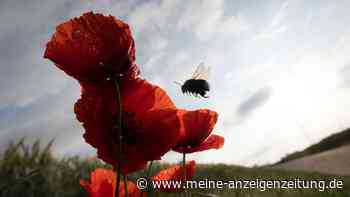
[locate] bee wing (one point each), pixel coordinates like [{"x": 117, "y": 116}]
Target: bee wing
[{"x": 202, "y": 72}]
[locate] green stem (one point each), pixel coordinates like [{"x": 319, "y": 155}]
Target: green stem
[
  {"x": 184, "y": 165},
  {"x": 126, "y": 185},
  {"x": 149, "y": 170},
  {"x": 119, "y": 137},
  {"x": 148, "y": 174},
  {"x": 184, "y": 169}
]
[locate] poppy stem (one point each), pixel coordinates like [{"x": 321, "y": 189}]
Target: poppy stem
[
  {"x": 119, "y": 137},
  {"x": 149, "y": 169},
  {"x": 148, "y": 174},
  {"x": 184, "y": 170},
  {"x": 150, "y": 189},
  {"x": 126, "y": 185}
]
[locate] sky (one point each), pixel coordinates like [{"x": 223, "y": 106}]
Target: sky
[{"x": 280, "y": 70}]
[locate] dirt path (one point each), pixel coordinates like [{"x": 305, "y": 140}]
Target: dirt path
[{"x": 335, "y": 162}]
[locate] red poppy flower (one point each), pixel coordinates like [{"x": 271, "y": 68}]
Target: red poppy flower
[
  {"x": 196, "y": 129},
  {"x": 93, "y": 47},
  {"x": 133, "y": 190},
  {"x": 150, "y": 125},
  {"x": 174, "y": 173},
  {"x": 103, "y": 182}
]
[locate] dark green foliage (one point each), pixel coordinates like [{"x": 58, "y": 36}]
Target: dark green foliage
[
  {"x": 32, "y": 171},
  {"x": 334, "y": 141}
]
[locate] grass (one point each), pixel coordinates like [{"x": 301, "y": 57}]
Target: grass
[{"x": 32, "y": 171}]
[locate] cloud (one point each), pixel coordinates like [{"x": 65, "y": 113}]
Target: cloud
[
  {"x": 36, "y": 98},
  {"x": 49, "y": 117},
  {"x": 345, "y": 75},
  {"x": 207, "y": 19},
  {"x": 25, "y": 30},
  {"x": 254, "y": 101},
  {"x": 277, "y": 26},
  {"x": 280, "y": 14}
]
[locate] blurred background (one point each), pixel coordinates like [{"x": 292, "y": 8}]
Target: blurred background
[{"x": 280, "y": 71}]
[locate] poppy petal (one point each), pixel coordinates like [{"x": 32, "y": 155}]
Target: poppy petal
[
  {"x": 140, "y": 95},
  {"x": 103, "y": 183},
  {"x": 137, "y": 94},
  {"x": 133, "y": 190},
  {"x": 196, "y": 126},
  {"x": 86, "y": 185},
  {"x": 212, "y": 142},
  {"x": 146, "y": 117},
  {"x": 175, "y": 173},
  {"x": 92, "y": 47},
  {"x": 146, "y": 144}
]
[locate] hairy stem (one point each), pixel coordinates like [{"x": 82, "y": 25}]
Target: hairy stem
[
  {"x": 184, "y": 169},
  {"x": 148, "y": 174},
  {"x": 119, "y": 137},
  {"x": 126, "y": 185},
  {"x": 149, "y": 169}
]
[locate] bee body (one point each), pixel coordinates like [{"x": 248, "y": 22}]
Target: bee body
[{"x": 196, "y": 87}]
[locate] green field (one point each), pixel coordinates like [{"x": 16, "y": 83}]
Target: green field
[{"x": 31, "y": 171}]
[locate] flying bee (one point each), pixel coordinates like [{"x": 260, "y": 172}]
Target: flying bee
[{"x": 198, "y": 84}]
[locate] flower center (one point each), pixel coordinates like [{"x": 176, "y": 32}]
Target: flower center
[{"x": 132, "y": 128}]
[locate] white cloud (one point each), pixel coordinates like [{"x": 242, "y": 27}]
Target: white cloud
[
  {"x": 206, "y": 19},
  {"x": 281, "y": 14}
]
